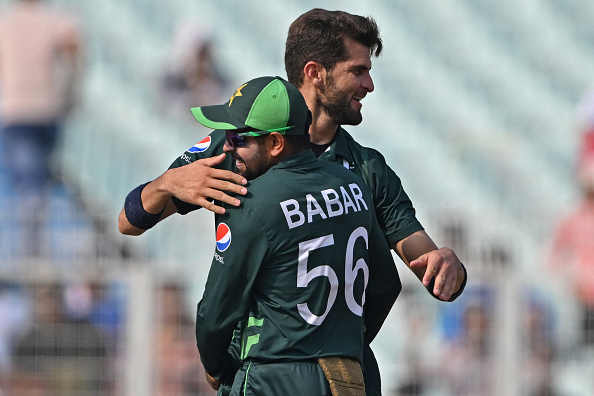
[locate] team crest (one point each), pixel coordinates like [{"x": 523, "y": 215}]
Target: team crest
[
  {"x": 236, "y": 94},
  {"x": 200, "y": 147},
  {"x": 223, "y": 237}
]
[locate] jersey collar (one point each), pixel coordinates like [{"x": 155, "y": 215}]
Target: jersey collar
[
  {"x": 301, "y": 158},
  {"x": 339, "y": 150}
]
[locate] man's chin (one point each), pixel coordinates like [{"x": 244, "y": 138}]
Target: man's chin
[{"x": 352, "y": 119}]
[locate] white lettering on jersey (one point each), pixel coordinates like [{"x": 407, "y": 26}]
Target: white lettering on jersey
[
  {"x": 336, "y": 205},
  {"x": 313, "y": 208},
  {"x": 219, "y": 258},
  {"x": 332, "y": 201},
  {"x": 348, "y": 202},
  {"x": 358, "y": 195},
  {"x": 293, "y": 212}
]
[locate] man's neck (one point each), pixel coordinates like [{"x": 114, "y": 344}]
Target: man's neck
[
  {"x": 323, "y": 128},
  {"x": 321, "y": 132}
]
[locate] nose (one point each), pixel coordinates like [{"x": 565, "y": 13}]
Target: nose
[
  {"x": 227, "y": 148},
  {"x": 367, "y": 83}
]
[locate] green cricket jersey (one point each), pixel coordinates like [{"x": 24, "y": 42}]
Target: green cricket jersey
[
  {"x": 394, "y": 210},
  {"x": 293, "y": 259}
]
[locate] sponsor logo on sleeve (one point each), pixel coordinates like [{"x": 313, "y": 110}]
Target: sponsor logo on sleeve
[
  {"x": 201, "y": 146},
  {"x": 223, "y": 237}
]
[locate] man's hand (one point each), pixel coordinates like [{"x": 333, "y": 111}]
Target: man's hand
[
  {"x": 444, "y": 265},
  {"x": 212, "y": 381},
  {"x": 423, "y": 257},
  {"x": 198, "y": 183}
]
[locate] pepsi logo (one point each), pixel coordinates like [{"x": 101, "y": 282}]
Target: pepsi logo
[
  {"x": 223, "y": 237},
  {"x": 201, "y": 146}
]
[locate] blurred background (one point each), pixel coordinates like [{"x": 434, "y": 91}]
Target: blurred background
[{"x": 483, "y": 108}]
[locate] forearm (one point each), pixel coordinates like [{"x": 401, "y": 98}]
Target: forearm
[
  {"x": 413, "y": 247},
  {"x": 155, "y": 200},
  {"x": 438, "y": 269},
  {"x": 213, "y": 345},
  {"x": 156, "y": 194}
]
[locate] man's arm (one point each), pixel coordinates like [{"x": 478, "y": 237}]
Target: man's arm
[
  {"x": 227, "y": 293},
  {"x": 426, "y": 260},
  {"x": 197, "y": 183},
  {"x": 384, "y": 284}
]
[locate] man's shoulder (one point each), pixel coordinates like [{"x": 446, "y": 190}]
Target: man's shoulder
[
  {"x": 281, "y": 184},
  {"x": 338, "y": 170},
  {"x": 357, "y": 149},
  {"x": 209, "y": 146}
]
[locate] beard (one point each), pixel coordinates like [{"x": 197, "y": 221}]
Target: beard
[
  {"x": 256, "y": 166},
  {"x": 337, "y": 105}
]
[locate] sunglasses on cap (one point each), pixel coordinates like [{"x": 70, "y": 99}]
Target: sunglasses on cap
[{"x": 236, "y": 137}]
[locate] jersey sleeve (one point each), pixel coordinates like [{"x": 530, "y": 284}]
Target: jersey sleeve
[
  {"x": 210, "y": 146},
  {"x": 395, "y": 213},
  {"x": 241, "y": 248},
  {"x": 384, "y": 283}
]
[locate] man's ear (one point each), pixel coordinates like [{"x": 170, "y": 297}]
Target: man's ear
[
  {"x": 315, "y": 73},
  {"x": 276, "y": 144}
]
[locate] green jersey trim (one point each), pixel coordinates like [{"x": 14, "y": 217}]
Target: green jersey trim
[
  {"x": 247, "y": 372},
  {"x": 254, "y": 322},
  {"x": 249, "y": 341}
]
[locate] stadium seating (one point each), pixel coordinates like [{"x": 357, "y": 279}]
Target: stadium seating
[
  {"x": 475, "y": 108},
  {"x": 472, "y": 88}
]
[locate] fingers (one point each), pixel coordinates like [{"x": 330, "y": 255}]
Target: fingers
[
  {"x": 227, "y": 180},
  {"x": 217, "y": 182},
  {"x": 444, "y": 283},
  {"x": 446, "y": 275},
  {"x": 199, "y": 183},
  {"x": 212, "y": 161},
  {"x": 441, "y": 266},
  {"x": 213, "y": 382},
  {"x": 424, "y": 262},
  {"x": 213, "y": 208},
  {"x": 220, "y": 196},
  {"x": 221, "y": 174}
]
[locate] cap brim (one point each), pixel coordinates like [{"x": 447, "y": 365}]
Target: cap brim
[{"x": 215, "y": 117}]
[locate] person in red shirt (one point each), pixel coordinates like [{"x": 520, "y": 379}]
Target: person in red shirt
[{"x": 573, "y": 240}]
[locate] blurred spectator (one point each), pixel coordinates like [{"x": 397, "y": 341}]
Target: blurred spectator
[
  {"x": 179, "y": 370},
  {"x": 572, "y": 253},
  {"x": 468, "y": 359},
  {"x": 58, "y": 355},
  {"x": 539, "y": 349},
  {"x": 469, "y": 368},
  {"x": 469, "y": 329},
  {"x": 98, "y": 303},
  {"x": 192, "y": 77},
  {"x": 39, "y": 66},
  {"x": 415, "y": 339},
  {"x": 13, "y": 318}
]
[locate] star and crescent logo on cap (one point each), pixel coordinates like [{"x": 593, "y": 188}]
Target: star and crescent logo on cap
[{"x": 236, "y": 93}]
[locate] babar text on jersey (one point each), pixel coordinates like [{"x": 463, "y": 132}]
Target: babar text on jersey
[{"x": 335, "y": 203}]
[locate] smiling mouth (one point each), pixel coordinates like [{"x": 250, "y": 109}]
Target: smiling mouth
[
  {"x": 358, "y": 99},
  {"x": 237, "y": 159}
]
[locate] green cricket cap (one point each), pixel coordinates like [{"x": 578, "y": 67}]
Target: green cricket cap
[{"x": 264, "y": 103}]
